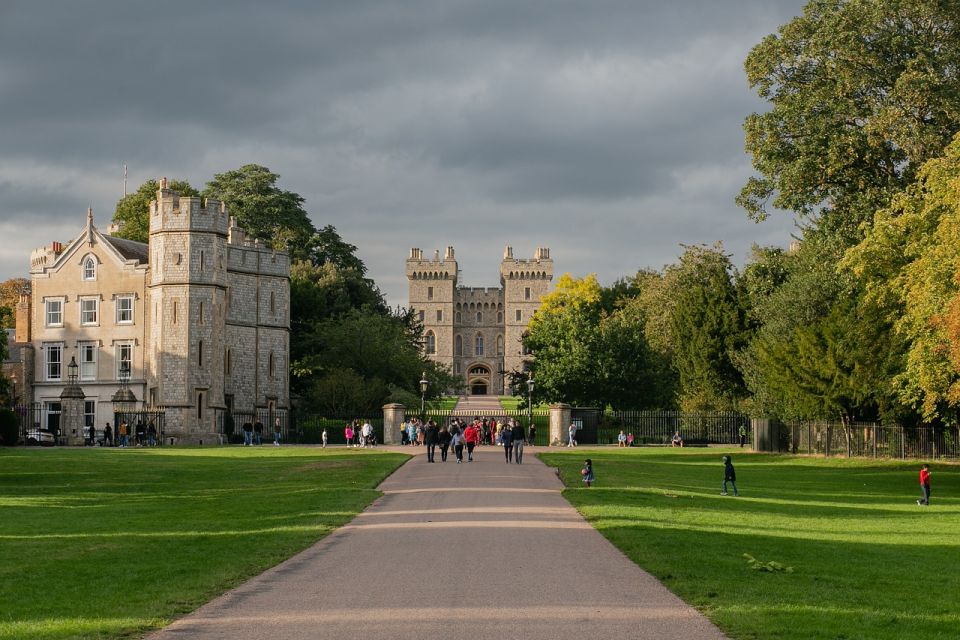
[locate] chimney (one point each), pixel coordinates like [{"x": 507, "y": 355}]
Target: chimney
[
  {"x": 508, "y": 253},
  {"x": 23, "y": 319}
]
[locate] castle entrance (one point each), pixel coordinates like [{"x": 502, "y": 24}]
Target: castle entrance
[{"x": 479, "y": 380}]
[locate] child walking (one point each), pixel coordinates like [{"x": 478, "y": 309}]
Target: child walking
[
  {"x": 729, "y": 475},
  {"x": 587, "y": 472},
  {"x": 924, "y": 485}
]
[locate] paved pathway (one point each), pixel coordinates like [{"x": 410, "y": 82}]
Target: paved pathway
[{"x": 480, "y": 550}]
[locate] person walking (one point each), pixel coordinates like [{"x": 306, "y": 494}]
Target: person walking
[
  {"x": 518, "y": 441},
  {"x": 107, "y": 436},
  {"x": 729, "y": 475},
  {"x": 457, "y": 441},
  {"x": 444, "y": 438},
  {"x": 587, "y": 472},
  {"x": 924, "y": 485},
  {"x": 152, "y": 435},
  {"x": 743, "y": 435},
  {"x": 431, "y": 439},
  {"x": 276, "y": 431},
  {"x": 472, "y": 437},
  {"x": 323, "y": 439},
  {"x": 258, "y": 432},
  {"x": 140, "y": 433},
  {"x": 123, "y": 430},
  {"x": 572, "y": 435},
  {"x": 404, "y": 440},
  {"x": 348, "y": 434},
  {"x": 532, "y": 434},
  {"x": 247, "y": 433},
  {"x": 506, "y": 439},
  {"x": 92, "y": 436}
]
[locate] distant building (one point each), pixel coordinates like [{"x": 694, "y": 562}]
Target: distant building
[
  {"x": 477, "y": 331},
  {"x": 199, "y": 318}
]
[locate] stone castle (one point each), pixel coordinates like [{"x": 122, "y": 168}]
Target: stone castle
[
  {"x": 477, "y": 331},
  {"x": 195, "y": 322}
]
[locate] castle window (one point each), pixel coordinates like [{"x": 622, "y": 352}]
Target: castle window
[
  {"x": 479, "y": 317},
  {"x": 174, "y": 312},
  {"x": 429, "y": 293},
  {"x": 227, "y": 362},
  {"x": 439, "y": 315},
  {"x": 458, "y": 346},
  {"x": 53, "y": 361},
  {"x": 456, "y": 367},
  {"x": 90, "y": 269},
  {"x": 422, "y": 316},
  {"x": 271, "y": 365},
  {"x": 499, "y": 345},
  {"x": 125, "y": 310},
  {"x": 88, "y": 311},
  {"x": 519, "y": 315},
  {"x": 200, "y": 406},
  {"x": 201, "y": 261},
  {"x": 124, "y": 358},
  {"x": 499, "y": 317},
  {"x": 430, "y": 343},
  {"x": 88, "y": 360},
  {"x": 459, "y": 317},
  {"x": 54, "y": 312},
  {"x": 478, "y": 345},
  {"x": 273, "y": 303},
  {"x": 200, "y": 313},
  {"x": 526, "y": 293},
  {"x": 200, "y": 353}
]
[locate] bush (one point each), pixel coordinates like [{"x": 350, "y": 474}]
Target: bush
[{"x": 9, "y": 428}]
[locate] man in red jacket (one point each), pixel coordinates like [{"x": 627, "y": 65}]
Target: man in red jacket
[
  {"x": 925, "y": 485},
  {"x": 472, "y": 437}
]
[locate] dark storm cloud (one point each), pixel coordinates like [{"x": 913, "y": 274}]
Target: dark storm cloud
[{"x": 610, "y": 131}]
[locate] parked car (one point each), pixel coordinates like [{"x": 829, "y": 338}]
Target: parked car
[{"x": 40, "y": 437}]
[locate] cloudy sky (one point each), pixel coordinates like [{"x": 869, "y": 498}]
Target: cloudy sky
[{"x": 607, "y": 131}]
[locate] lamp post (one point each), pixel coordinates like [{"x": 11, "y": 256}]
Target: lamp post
[
  {"x": 71, "y": 408},
  {"x": 123, "y": 400},
  {"x": 529, "y": 401},
  {"x": 72, "y": 370},
  {"x": 424, "y": 383}
]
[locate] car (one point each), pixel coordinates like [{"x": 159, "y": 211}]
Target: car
[{"x": 40, "y": 437}]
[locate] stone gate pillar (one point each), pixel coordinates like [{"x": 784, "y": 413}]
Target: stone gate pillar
[
  {"x": 71, "y": 414},
  {"x": 393, "y": 414},
  {"x": 561, "y": 415}
]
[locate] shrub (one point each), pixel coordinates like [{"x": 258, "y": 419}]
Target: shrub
[{"x": 9, "y": 428}]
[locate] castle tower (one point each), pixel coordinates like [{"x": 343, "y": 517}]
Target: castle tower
[
  {"x": 433, "y": 286},
  {"x": 524, "y": 282},
  {"x": 186, "y": 297}
]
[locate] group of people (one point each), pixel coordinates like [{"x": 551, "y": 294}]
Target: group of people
[
  {"x": 253, "y": 433},
  {"x": 357, "y": 435},
  {"x": 460, "y": 435},
  {"x": 490, "y": 430},
  {"x": 144, "y": 435}
]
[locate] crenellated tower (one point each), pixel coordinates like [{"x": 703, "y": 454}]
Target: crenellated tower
[
  {"x": 433, "y": 285},
  {"x": 186, "y": 291},
  {"x": 524, "y": 282}
]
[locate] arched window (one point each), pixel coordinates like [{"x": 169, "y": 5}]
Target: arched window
[
  {"x": 458, "y": 318},
  {"x": 458, "y": 346},
  {"x": 499, "y": 317},
  {"x": 430, "y": 343},
  {"x": 479, "y": 317},
  {"x": 90, "y": 269},
  {"x": 478, "y": 345},
  {"x": 500, "y": 345},
  {"x": 270, "y": 364}
]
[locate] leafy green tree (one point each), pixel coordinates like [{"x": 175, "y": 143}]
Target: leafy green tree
[
  {"x": 327, "y": 247},
  {"x": 862, "y": 92},
  {"x": 132, "y": 214},
  {"x": 262, "y": 209}
]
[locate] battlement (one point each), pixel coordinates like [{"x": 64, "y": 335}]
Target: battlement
[
  {"x": 173, "y": 212},
  {"x": 436, "y": 269},
  {"x": 44, "y": 257},
  {"x": 540, "y": 267}
]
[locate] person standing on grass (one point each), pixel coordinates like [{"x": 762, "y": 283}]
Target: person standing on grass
[
  {"x": 506, "y": 439},
  {"x": 729, "y": 475},
  {"x": 348, "y": 434},
  {"x": 247, "y": 433},
  {"x": 107, "y": 436},
  {"x": 572, "y": 435},
  {"x": 323, "y": 439},
  {"x": 743, "y": 436},
  {"x": 276, "y": 431},
  {"x": 587, "y": 472},
  {"x": 258, "y": 432},
  {"x": 518, "y": 441},
  {"x": 925, "y": 485}
]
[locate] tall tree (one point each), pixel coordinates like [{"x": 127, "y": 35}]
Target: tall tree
[
  {"x": 862, "y": 92},
  {"x": 263, "y": 209},
  {"x": 132, "y": 214}
]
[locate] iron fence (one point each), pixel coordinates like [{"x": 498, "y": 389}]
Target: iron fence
[
  {"x": 230, "y": 424},
  {"x": 311, "y": 427},
  {"x": 658, "y": 427},
  {"x": 871, "y": 439}
]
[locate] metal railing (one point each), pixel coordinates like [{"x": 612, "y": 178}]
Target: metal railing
[
  {"x": 658, "y": 427},
  {"x": 871, "y": 439}
]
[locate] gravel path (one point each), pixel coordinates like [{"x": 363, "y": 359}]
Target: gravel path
[{"x": 481, "y": 550}]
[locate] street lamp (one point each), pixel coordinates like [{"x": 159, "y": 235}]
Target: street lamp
[
  {"x": 72, "y": 370},
  {"x": 530, "y": 401},
  {"x": 424, "y": 383}
]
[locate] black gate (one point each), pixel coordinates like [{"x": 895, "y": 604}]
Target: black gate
[{"x": 587, "y": 421}]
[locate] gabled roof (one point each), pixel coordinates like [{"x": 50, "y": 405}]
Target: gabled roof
[{"x": 130, "y": 249}]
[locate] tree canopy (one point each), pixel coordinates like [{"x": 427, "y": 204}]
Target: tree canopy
[{"x": 132, "y": 215}]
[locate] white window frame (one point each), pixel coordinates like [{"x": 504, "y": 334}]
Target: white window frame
[
  {"x": 91, "y": 273},
  {"x": 88, "y": 368},
  {"x": 119, "y": 348},
  {"x": 48, "y": 350},
  {"x": 47, "y": 311},
  {"x": 96, "y": 311},
  {"x": 478, "y": 345},
  {"x": 89, "y": 416},
  {"x": 119, "y": 301}
]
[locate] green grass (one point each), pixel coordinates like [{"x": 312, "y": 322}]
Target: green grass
[
  {"x": 443, "y": 403},
  {"x": 867, "y": 561},
  {"x": 105, "y": 543},
  {"x": 512, "y": 403}
]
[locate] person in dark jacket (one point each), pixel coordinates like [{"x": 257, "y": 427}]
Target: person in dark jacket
[
  {"x": 431, "y": 437},
  {"x": 519, "y": 439},
  {"x": 506, "y": 439},
  {"x": 729, "y": 475},
  {"x": 444, "y": 438}
]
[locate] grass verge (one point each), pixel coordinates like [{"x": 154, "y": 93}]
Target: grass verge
[
  {"x": 106, "y": 543},
  {"x": 866, "y": 561}
]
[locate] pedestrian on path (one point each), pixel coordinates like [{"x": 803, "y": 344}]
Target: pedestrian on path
[
  {"x": 924, "y": 485},
  {"x": 432, "y": 438},
  {"x": 587, "y": 472},
  {"x": 729, "y": 475},
  {"x": 472, "y": 437},
  {"x": 506, "y": 439},
  {"x": 518, "y": 441},
  {"x": 444, "y": 438},
  {"x": 457, "y": 441},
  {"x": 743, "y": 435}
]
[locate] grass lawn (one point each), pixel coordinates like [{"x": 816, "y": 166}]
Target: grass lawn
[
  {"x": 443, "y": 403},
  {"x": 867, "y": 561},
  {"x": 512, "y": 403},
  {"x": 105, "y": 543}
]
